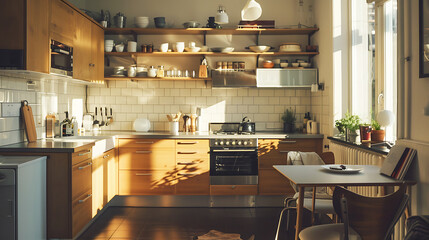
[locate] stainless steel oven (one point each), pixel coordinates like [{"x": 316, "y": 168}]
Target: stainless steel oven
[
  {"x": 61, "y": 59},
  {"x": 233, "y": 161}
]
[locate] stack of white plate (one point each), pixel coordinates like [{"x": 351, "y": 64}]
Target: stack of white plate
[
  {"x": 141, "y": 22},
  {"x": 290, "y": 47}
]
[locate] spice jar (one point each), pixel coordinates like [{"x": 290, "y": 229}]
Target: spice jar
[
  {"x": 160, "y": 72},
  {"x": 152, "y": 71},
  {"x": 241, "y": 66},
  {"x": 218, "y": 65}
]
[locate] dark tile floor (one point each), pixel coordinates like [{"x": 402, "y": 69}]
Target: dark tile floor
[{"x": 182, "y": 223}]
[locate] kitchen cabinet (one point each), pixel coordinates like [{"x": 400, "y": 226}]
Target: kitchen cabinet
[
  {"x": 192, "y": 167},
  {"x": 63, "y": 22},
  {"x": 204, "y": 32},
  {"x": 24, "y": 27},
  {"x": 146, "y": 166},
  {"x": 274, "y": 152},
  {"x": 104, "y": 177},
  {"x": 69, "y": 190},
  {"x": 88, "y": 58},
  {"x": 285, "y": 77}
]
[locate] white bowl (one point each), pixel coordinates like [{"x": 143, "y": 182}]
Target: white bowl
[
  {"x": 295, "y": 64},
  {"x": 192, "y": 49},
  {"x": 108, "y": 48},
  {"x": 260, "y": 49},
  {"x": 290, "y": 47},
  {"x": 304, "y": 64},
  {"x": 222, "y": 49},
  {"x": 119, "y": 48},
  {"x": 142, "y": 25},
  {"x": 141, "y": 125},
  {"x": 284, "y": 64}
]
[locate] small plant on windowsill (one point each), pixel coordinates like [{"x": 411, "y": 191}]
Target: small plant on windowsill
[
  {"x": 377, "y": 134},
  {"x": 348, "y": 125},
  {"x": 289, "y": 120}
]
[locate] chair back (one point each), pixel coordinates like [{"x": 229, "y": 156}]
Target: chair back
[
  {"x": 328, "y": 157},
  {"x": 372, "y": 217}
]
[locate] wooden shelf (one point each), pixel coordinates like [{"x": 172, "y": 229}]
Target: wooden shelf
[
  {"x": 155, "y": 78},
  {"x": 210, "y": 31},
  {"x": 178, "y": 54}
]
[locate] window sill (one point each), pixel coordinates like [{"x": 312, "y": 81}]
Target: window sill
[{"x": 379, "y": 148}]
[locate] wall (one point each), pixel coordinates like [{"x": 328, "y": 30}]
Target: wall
[
  {"x": 322, "y": 101},
  {"x": 154, "y": 99},
  {"x": 44, "y": 96}
]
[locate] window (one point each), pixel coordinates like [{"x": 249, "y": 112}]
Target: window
[{"x": 373, "y": 59}]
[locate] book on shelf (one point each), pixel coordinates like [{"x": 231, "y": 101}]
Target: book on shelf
[{"x": 398, "y": 161}]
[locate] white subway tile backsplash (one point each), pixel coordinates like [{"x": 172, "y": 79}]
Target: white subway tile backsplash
[
  {"x": 179, "y": 84},
  {"x": 121, "y": 100},
  {"x": 260, "y": 100},
  {"x": 190, "y": 84},
  {"x": 196, "y": 92},
  {"x": 185, "y": 92}
]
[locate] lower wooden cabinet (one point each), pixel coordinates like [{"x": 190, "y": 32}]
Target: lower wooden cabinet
[
  {"x": 233, "y": 189},
  {"x": 81, "y": 212},
  {"x": 146, "y": 182},
  {"x": 192, "y": 183},
  {"x": 271, "y": 182}
]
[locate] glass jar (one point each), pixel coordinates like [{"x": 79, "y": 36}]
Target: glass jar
[
  {"x": 160, "y": 72},
  {"x": 152, "y": 71}
]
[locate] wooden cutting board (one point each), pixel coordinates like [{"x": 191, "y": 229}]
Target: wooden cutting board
[{"x": 30, "y": 126}]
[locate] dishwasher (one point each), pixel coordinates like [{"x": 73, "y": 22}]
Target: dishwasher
[{"x": 22, "y": 197}]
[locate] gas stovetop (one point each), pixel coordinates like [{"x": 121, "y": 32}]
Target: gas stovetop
[
  {"x": 233, "y": 143},
  {"x": 227, "y": 128}
]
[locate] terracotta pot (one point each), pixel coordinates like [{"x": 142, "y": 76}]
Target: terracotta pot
[{"x": 377, "y": 135}]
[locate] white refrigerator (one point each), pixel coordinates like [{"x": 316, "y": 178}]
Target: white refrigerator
[{"x": 22, "y": 197}]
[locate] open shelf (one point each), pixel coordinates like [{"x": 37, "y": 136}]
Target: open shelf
[
  {"x": 155, "y": 78},
  {"x": 211, "y": 31},
  {"x": 166, "y": 54}
]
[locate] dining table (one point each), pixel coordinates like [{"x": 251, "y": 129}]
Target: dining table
[{"x": 304, "y": 176}]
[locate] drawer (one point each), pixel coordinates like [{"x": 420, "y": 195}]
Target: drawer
[
  {"x": 146, "y": 182},
  {"x": 193, "y": 182},
  {"x": 80, "y": 156},
  {"x": 195, "y": 163},
  {"x": 137, "y": 158},
  {"x": 147, "y": 144},
  {"x": 195, "y": 153},
  {"x": 233, "y": 189},
  {"x": 200, "y": 145},
  {"x": 271, "y": 182},
  {"x": 300, "y": 144},
  {"x": 81, "y": 212},
  {"x": 81, "y": 178},
  {"x": 108, "y": 155}
]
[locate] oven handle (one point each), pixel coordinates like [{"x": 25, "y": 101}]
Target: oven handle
[{"x": 235, "y": 150}]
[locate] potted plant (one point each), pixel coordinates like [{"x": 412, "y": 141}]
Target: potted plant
[
  {"x": 340, "y": 125},
  {"x": 352, "y": 123},
  {"x": 289, "y": 119},
  {"x": 377, "y": 134},
  {"x": 365, "y": 132}
]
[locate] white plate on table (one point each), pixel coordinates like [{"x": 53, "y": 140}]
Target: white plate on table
[{"x": 336, "y": 169}]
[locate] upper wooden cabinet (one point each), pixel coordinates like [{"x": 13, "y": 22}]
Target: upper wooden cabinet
[
  {"x": 24, "y": 27},
  {"x": 88, "y": 56},
  {"x": 63, "y": 22}
]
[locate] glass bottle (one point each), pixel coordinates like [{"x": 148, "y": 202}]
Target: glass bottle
[{"x": 160, "y": 72}]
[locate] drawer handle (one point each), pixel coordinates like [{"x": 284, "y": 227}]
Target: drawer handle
[
  {"x": 143, "y": 174},
  {"x": 186, "y": 174},
  {"x": 83, "y": 154},
  {"x": 185, "y": 163},
  {"x": 284, "y": 151},
  {"x": 84, "y": 200},
  {"x": 187, "y": 152},
  {"x": 144, "y": 142},
  {"x": 106, "y": 156},
  {"x": 187, "y": 142},
  {"x": 287, "y": 141},
  {"x": 89, "y": 164},
  {"x": 142, "y": 152}
]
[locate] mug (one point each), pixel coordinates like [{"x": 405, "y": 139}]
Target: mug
[
  {"x": 164, "y": 47},
  {"x": 132, "y": 46},
  {"x": 174, "y": 127},
  {"x": 180, "y": 46}
]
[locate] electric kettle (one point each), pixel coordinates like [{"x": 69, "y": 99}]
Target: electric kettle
[{"x": 312, "y": 127}]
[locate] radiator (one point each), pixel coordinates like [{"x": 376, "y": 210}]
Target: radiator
[{"x": 355, "y": 156}]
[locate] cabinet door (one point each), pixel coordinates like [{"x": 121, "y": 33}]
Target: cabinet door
[
  {"x": 38, "y": 42},
  {"x": 81, "y": 212},
  {"x": 82, "y": 49},
  {"x": 81, "y": 178},
  {"x": 97, "y": 52},
  {"x": 62, "y": 22},
  {"x": 271, "y": 182},
  {"x": 110, "y": 175},
  {"x": 97, "y": 185},
  {"x": 146, "y": 182}
]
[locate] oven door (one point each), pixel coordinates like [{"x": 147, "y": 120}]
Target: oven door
[{"x": 233, "y": 162}]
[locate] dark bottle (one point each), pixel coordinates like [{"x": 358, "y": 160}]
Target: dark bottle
[{"x": 66, "y": 126}]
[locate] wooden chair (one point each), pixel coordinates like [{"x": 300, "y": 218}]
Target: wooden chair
[
  {"x": 366, "y": 218},
  {"x": 323, "y": 205}
]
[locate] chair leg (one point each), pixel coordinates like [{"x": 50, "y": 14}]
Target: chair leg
[{"x": 280, "y": 222}]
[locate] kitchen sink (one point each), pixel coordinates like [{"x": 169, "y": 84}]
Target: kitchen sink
[{"x": 102, "y": 143}]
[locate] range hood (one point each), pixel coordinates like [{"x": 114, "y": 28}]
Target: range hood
[{"x": 233, "y": 79}]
